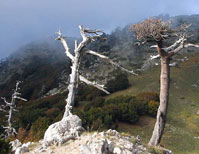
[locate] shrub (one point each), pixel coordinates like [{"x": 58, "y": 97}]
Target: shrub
[
  {"x": 52, "y": 112},
  {"x": 39, "y": 127},
  {"x": 108, "y": 113},
  {"x": 104, "y": 114},
  {"x": 153, "y": 108},
  {"x": 120, "y": 99},
  {"x": 148, "y": 96},
  {"x": 141, "y": 107},
  {"x": 108, "y": 120},
  {"x": 128, "y": 113},
  {"x": 97, "y": 124},
  {"x": 97, "y": 102},
  {"x": 22, "y": 134},
  {"x": 88, "y": 93},
  {"x": 5, "y": 147},
  {"x": 119, "y": 83}
]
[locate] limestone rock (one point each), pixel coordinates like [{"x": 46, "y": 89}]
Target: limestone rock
[
  {"x": 111, "y": 142},
  {"x": 15, "y": 144},
  {"x": 97, "y": 146},
  {"x": 106, "y": 142},
  {"x": 68, "y": 128},
  {"x": 20, "y": 148}
]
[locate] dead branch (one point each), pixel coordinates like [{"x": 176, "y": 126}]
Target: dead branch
[
  {"x": 110, "y": 61},
  {"x": 64, "y": 43},
  {"x": 94, "y": 84}
]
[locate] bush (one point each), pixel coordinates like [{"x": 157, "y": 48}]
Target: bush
[
  {"x": 119, "y": 83},
  {"x": 52, "y": 112},
  {"x": 97, "y": 102},
  {"x": 153, "y": 108},
  {"x": 148, "y": 96},
  {"x": 5, "y": 147},
  {"x": 128, "y": 113},
  {"x": 104, "y": 115},
  {"x": 97, "y": 125},
  {"x": 88, "y": 93},
  {"x": 141, "y": 106},
  {"x": 120, "y": 99},
  {"x": 39, "y": 127}
]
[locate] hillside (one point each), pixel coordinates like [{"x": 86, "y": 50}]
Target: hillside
[
  {"x": 183, "y": 119},
  {"x": 44, "y": 70},
  {"x": 182, "y": 125}
]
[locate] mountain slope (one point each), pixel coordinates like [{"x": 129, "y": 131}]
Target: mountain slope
[
  {"x": 44, "y": 67},
  {"x": 183, "y": 119}
]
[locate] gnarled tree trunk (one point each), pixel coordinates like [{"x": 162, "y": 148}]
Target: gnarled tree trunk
[
  {"x": 164, "y": 99},
  {"x": 73, "y": 84}
]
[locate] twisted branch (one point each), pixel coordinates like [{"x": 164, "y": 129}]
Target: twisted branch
[
  {"x": 94, "y": 84},
  {"x": 110, "y": 61}
]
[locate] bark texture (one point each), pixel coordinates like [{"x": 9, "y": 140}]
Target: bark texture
[{"x": 164, "y": 100}]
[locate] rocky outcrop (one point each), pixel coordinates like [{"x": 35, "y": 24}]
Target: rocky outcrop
[
  {"x": 112, "y": 142},
  {"x": 68, "y": 128},
  {"x": 106, "y": 142},
  {"x": 20, "y": 148}
]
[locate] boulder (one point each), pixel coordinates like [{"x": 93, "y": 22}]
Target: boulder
[
  {"x": 20, "y": 148},
  {"x": 15, "y": 144},
  {"x": 97, "y": 146},
  {"x": 68, "y": 128},
  {"x": 111, "y": 142}
]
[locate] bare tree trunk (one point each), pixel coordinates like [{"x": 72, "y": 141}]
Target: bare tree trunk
[
  {"x": 73, "y": 85},
  {"x": 164, "y": 99},
  {"x": 9, "y": 130}
]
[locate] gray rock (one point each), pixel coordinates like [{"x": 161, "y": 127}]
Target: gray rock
[
  {"x": 64, "y": 130},
  {"x": 97, "y": 146},
  {"x": 15, "y": 144},
  {"x": 117, "y": 150},
  {"x": 18, "y": 148}
]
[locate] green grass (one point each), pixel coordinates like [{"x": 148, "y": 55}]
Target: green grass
[{"x": 182, "y": 122}]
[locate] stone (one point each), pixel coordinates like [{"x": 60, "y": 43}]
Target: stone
[
  {"x": 97, "y": 146},
  {"x": 20, "y": 148},
  {"x": 68, "y": 128},
  {"x": 117, "y": 150},
  {"x": 15, "y": 144}
]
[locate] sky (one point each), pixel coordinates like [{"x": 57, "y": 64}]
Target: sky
[{"x": 23, "y": 21}]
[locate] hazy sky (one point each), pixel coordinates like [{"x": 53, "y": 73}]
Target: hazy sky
[{"x": 22, "y": 21}]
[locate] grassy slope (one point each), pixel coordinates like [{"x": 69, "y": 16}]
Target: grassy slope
[{"x": 183, "y": 122}]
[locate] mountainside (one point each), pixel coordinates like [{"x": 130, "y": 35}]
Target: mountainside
[
  {"x": 41, "y": 57},
  {"x": 181, "y": 134},
  {"x": 44, "y": 69}
]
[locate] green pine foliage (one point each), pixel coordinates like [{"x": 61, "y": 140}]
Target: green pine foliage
[{"x": 104, "y": 114}]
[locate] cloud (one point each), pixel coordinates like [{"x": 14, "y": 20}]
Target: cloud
[{"x": 22, "y": 21}]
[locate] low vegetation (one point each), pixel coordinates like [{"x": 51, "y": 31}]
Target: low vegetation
[{"x": 5, "y": 147}]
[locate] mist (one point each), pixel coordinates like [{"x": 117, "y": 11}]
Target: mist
[{"x": 23, "y": 21}]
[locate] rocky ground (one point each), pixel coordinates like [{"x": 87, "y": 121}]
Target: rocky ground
[{"x": 106, "y": 142}]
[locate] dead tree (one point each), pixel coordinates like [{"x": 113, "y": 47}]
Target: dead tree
[
  {"x": 88, "y": 36},
  {"x": 71, "y": 126},
  {"x": 10, "y": 108},
  {"x": 158, "y": 31}
]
